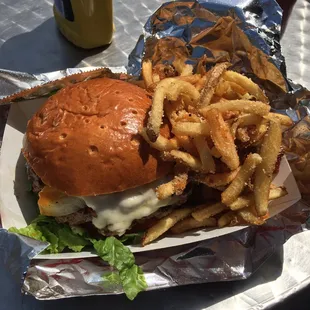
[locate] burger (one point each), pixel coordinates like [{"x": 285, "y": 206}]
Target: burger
[{"x": 89, "y": 164}]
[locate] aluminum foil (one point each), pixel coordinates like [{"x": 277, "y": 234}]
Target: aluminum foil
[
  {"x": 15, "y": 255},
  {"x": 231, "y": 257}
]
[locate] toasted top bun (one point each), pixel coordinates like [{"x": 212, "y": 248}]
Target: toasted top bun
[{"x": 84, "y": 140}]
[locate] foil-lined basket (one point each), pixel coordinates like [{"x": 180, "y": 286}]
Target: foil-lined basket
[{"x": 246, "y": 33}]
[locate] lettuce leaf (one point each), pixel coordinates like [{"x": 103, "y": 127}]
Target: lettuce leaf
[
  {"x": 111, "y": 250},
  {"x": 30, "y": 231},
  {"x": 120, "y": 257},
  {"x": 133, "y": 281},
  {"x": 115, "y": 253},
  {"x": 73, "y": 241},
  {"x": 59, "y": 236},
  {"x": 52, "y": 239},
  {"x": 134, "y": 238}
]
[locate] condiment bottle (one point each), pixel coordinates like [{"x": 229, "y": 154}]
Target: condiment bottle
[{"x": 85, "y": 23}]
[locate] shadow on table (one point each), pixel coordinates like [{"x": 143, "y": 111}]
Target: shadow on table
[
  {"x": 43, "y": 49},
  {"x": 198, "y": 296}
]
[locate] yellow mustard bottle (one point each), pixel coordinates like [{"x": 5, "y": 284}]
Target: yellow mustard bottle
[{"x": 85, "y": 23}]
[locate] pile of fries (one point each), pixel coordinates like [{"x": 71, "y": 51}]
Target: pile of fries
[{"x": 222, "y": 135}]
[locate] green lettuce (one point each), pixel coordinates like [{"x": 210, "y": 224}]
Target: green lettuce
[
  {"x": 134, "y": 238},
  {"x": 59, "y": 236},
  {"x": 111, "y": 250},
  {"x": 120, "y": 257}
]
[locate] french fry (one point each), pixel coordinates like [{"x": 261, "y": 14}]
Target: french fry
[
  {"x": 184, "y": 116},
  {"x": 238, "y": 89},
  {"x": 215, "y": 153},
  {"x": 183, "y": 158},
  {"x": 175, "y": 186},
  {"x": 156, "y": 78},
  {"x": 221, "y": 88},
  {"x": 241, "y": 105},
  {"x": 243, "y": 121},
  {"x": 187, "y": 144},
  {"x": 170, "y": 89},
  {"x": 206, "y": 211},
  {"x": 227, "y": 219},
  {"x": 190, "y": 223},
  {"x": 222, "y": 139},
  {"x": 165, "y": 224},
  {"x": 283, "y": 119},
  {"x": 193, "y": 79},
  {"x": 242, "y": 202},
  {"x": 208, "y": 164},
  {"x": 277, "y": 192},
  {"x": 237, "y": 185},
  {"x": 199, "y": 85},
  {"x": 230, "y": 115},
  {"x": 191, "y": 129},
  {"x": 182, "y": 68},
  {"x": 263, "y": 175},
  {"x": 246, "y": 84},
  {"x": 245, "y": 201},
  {"x": 174, "y": 110},
  {"x": 229, "y": 90},
  {"x": 147, "y": 73},
  {"x": 162, "y": 143},
  {"x": 260, "y": 132},
  {"x": 242, "y": 135},
  {"x": 187, "y": 70},
  {"x": 248, "y": 215},
  {"x": 218, "y": 179},
  {"x": 205, "y": 125},
  {"x": 213, "y": 77}
]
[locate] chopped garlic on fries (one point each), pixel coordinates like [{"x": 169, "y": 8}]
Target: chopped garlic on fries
[{"x": 215, "y": 117}]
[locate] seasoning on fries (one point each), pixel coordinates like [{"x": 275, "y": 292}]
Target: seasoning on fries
[{"x": 225, "y": 137}]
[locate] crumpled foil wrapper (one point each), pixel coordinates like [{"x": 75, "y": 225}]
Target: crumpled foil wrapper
[
  {"x": 245, "y": 33},
  {"x": 16, "y": 253}
]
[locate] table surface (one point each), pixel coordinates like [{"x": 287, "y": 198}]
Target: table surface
[{"x": 30, "y": 42}]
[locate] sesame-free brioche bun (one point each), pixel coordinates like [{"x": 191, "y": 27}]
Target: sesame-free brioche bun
[{"x": 84, "y": 140}]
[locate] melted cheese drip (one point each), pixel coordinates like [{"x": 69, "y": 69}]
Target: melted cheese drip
[{"x": 117, "y": 211}]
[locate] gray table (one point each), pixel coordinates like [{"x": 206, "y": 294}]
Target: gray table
[{"x": 30, "y": 42}]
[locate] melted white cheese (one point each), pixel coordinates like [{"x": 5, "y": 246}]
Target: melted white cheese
[{"x": 117, "y": 211}]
